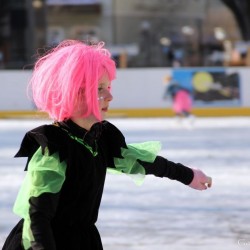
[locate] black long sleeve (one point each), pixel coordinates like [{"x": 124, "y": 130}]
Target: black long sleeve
[
  {"x": 162, "y": 167},
  {"x": 42, "y": 210}
]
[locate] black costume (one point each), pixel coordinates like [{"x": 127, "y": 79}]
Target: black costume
[{"x": 64, "y": 216}]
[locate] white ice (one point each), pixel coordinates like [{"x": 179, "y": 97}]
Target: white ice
[{"x": 161, "y": 214}]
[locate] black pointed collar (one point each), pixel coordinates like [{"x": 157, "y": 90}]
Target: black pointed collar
[{"x": 88, "y": 136}]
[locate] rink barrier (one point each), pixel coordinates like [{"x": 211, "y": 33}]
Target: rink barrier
[{"x": 199, "y": 112}]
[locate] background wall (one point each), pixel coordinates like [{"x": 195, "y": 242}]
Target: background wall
[
  {"x": 134, "y": 90},
  {"x": 14, "y": 95}
]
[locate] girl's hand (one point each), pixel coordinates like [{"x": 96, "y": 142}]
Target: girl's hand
[{"x": 200, "y": 180}]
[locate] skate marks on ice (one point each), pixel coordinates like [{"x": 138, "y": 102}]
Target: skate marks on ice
[{"x": 167, "y": 215}]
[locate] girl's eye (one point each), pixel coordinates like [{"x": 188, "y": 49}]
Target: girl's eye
[{"x": 102, "y": 88}]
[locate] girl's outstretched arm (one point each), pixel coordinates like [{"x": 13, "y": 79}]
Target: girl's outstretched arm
[{"x": 162, "y": 167}]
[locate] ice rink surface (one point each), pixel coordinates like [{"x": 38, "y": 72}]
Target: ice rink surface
[{"x": 161, "y": 214}]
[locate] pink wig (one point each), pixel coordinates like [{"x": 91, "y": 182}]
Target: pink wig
[{"x": 66, "y": 79}]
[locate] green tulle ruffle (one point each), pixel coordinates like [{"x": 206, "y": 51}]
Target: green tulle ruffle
[
  {"x": 45, "y": 174},
  {"x": 146, "y": 151}
]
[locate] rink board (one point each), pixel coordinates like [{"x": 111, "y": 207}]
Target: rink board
[{"x": 200, "y": 112}]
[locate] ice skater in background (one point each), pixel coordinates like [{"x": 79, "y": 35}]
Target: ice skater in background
[
  {"x": 181, "y": 98},
  {"x": 67, "y": 160}
]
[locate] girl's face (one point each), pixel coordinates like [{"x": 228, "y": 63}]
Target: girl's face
[{"x": 104, "y": 95}]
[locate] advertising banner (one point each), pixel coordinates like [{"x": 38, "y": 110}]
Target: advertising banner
[{"x": 210, "y": 87}]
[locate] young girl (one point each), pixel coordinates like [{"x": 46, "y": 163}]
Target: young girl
[
  {"x": 67, "y": 160},
  {"x": 181, "y": 97}
]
